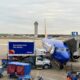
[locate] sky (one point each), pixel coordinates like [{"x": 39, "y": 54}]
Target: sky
[{"x": 60, "y": 16}]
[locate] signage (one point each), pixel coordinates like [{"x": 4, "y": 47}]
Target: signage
[{"x": 21, "y": 48}]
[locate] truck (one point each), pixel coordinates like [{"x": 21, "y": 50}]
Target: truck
[
  {"x": 39, "y": 61},
  {"x": 26, "y": 52},
  {"x": 43, "y": 62}
]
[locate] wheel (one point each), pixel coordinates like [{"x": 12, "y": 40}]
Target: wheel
[
  {"x": 61, "y": 66},
  {"x": 75, "y": 57},
  {"x": 1, "y": 75},
  {"x": 46, "y": 66},
  {"x": 12, "y": 76},
  {"x": 50, "y": 66}
]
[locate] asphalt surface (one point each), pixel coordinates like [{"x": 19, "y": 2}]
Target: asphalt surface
[{"x": 49, "y": 74}]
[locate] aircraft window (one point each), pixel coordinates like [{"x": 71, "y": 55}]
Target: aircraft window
[
  {"x": 40, "y": 58},
  {"x": 62, "y": 49},
  {"x": 58, "y": 49}
]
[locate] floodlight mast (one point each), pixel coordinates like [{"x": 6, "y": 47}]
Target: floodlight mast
[{"x": 45, "y": 28}]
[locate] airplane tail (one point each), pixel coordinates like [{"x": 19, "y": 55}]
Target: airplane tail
[{"x": 47, "y": 44}]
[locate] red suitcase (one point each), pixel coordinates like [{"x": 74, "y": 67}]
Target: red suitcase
[
  {"x": 11, "y": 69},
  {"x": 20, "y": 70}
]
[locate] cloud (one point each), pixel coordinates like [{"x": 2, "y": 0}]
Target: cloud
[{"x": 18, "y": 16}]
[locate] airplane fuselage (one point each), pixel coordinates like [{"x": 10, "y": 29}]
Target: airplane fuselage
[{"x": 61, "y": 52}]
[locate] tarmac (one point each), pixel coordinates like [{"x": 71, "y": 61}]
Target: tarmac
[{"x": 49, "y": 74}]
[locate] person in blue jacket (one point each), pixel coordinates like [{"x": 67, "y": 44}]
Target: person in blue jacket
[{"x": 72, "y": 75}]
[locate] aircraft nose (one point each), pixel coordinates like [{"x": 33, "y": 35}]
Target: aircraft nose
[
  {"x": 66, "y": 56},
  {"x": 62, "y": 57}
]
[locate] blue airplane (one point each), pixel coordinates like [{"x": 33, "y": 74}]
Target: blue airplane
[{"x": 58, "y": 50}]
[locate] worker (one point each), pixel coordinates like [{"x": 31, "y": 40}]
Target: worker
[
  {"x": 74, "y": 75},
  {"x": 71, "y": 76},
  {"x": 79, "y": 78},
  {"x": 68, "y": 78},
  {"x": 78, "y": 75}
]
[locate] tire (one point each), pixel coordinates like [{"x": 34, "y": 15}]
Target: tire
[
  {"x": 12, "y": 76},
  {"x": 61, "y": 66},
  {"x": 1, "y": 75},
  {"x": 46, "y": 66},
  {"x": 50, "y": 66},
  {"x": 75, "y": 57}
]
